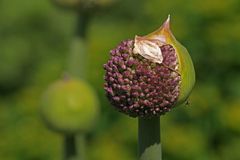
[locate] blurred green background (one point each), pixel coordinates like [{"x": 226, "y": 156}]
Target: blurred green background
[{"x": 35, "y": 40}]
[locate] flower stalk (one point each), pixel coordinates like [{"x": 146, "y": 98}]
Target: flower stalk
[
  {"x": 65, "y": 109},
  {"x": 75, "y": 144},
  {"x": 149, "y": 141},
  {"x": 69, "y": 147},
  {"x": 74, "y": 147},
  {"x": 78, "y": 54}
]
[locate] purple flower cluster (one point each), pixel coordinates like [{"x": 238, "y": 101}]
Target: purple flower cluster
[{"x": 138, "y": 87}]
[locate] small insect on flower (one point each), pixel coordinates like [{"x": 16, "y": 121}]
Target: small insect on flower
[{"x": 149, "y": 75}]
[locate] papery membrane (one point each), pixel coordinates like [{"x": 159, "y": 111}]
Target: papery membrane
[{"x": 148, "y": 48}]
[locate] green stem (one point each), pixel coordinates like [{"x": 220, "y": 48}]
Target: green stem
[
  {"x": 80, "y": 140},
  {"x": 70, "y": 151},
  {"x": 149, "y": 139},
  {"x": 74, "y": 147},
  {"x": 82, "y": 24},
  {"x": 75, "y": 143},
  {"x": 78, "y": 55},
  {"x": 77, "y": 58}
]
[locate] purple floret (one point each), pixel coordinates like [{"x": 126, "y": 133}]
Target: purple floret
[{"x": 138, "y": 87}]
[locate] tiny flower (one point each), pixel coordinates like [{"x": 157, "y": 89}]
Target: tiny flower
[{"x": 149, "y": 75}]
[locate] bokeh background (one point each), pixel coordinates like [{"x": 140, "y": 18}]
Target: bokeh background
[{"x": 35, "y": 40}]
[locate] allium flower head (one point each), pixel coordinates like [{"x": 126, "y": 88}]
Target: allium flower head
[{"x": 149, "y": 75}]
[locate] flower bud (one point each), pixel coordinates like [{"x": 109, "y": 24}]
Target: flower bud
[
  {"x": 69, "y": 106},
  {"x": 149, "y": 75}
]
